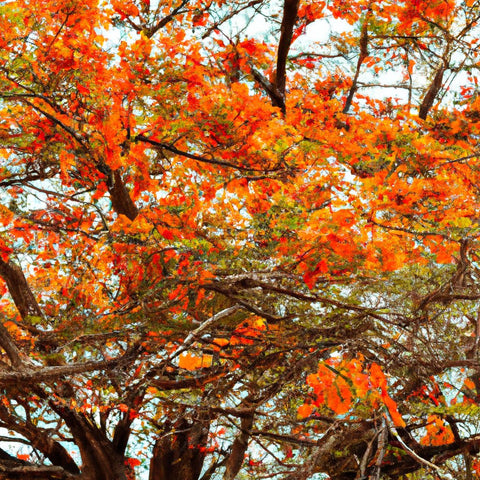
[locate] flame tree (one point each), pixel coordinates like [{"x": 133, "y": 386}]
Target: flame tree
[{"x": 239, "y": 239}]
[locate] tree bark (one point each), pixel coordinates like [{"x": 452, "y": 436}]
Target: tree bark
[
  {"x": 41, "y": 440},
  {"x": 19, "y": 290},
  {"x": 121, "y": 201},
  {"x": 239, "y": 447},
  {"x": 290, "y": 10},
  {"x": 100, "y": 459},
  {"x": 432, "y": 93},
  {"x": 180, "y": 451}
]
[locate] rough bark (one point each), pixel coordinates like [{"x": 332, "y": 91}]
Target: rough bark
[
  {"x": 100, "y": 459},
  {"x": 33, "y": 376},
  {"x": 290, "y": 10},
  {"x": 33, "y": 472},
  {"x": 26, "y": 305},
  {"x": 12, "y": 468},
  {"x": 19, "y": 290},
  {"x": 121, "y": 200},
  {"x": 432, "y": 93},
  {"x": 239, "y": 447},
  {"x": 337, "y": 453},
  {"x": 42, "y": 441},
  {"x": 8, "y": 344},
  {"x": 179, "y": 453}
]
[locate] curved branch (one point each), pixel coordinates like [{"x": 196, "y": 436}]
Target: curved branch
[
  {"x": 42, "y": 440},
  {"x": 121, "y": 200}
]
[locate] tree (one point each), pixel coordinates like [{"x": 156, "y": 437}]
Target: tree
[{"x": 229, "y": 251}]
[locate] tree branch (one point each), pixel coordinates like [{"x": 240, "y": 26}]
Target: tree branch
[
  {"x": 407, "y": 449},
  {"x": 7, "y": 343},
  {"x": 290, "y": 10},
  {"x": 122, "y": 203},
  {"x": 39, "y": 375},
  {"x": 192, "y": 156},
  {"x": 19, "y": 290},
  {"x": 239, "y": 446},
  {"x": 363, "y": 43},
  {"x": 432, "y": 92}
]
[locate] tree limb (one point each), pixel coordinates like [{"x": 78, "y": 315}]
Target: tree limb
[{"x": 290, "y": 10}]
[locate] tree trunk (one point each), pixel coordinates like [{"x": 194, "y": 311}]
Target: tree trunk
[
  {"x": 180, "y": 451},
  {"x": 100, "y": 459},
  {"x": 239, "y": 447}
]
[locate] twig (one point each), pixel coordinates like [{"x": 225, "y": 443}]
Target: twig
[
  {"x": 194, "y": 333},
  {"x": 382, "y": 445},
  {"x": 407, "y": 449}
]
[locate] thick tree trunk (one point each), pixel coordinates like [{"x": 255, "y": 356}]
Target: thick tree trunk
[
  {"x": 180, "y": 451},
  {"x": 100, "y": 459}
]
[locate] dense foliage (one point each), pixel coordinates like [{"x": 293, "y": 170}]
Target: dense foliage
[{"x": 239, "y": 240}]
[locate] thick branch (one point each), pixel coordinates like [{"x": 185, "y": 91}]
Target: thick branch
[
  {"x": 432, "y": 93},
  {"x": 179, "y": 452},
  {"x": 33, "y": 472},
  {"x": 7, "y": 343},
  {"x": 121, "y": 200},
  {"x": 19, "y": 290},
  {"x": 54, "y": 373},
  {"x": 278, "y": 99},
  {"x": 41, "y": 440},
  {"x": 239, "y": 447},
  {"x": 100, "y": 460},
  {"x": 290, "y": 10}
]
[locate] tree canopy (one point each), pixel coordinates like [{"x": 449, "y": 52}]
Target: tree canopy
[{"x": 239, "y": 240}]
